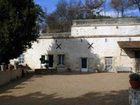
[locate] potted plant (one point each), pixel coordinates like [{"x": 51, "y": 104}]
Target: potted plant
[{"x": 134, "y": 80}]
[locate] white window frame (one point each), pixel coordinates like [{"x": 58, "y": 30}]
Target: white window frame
[
  {"x": 108, "y": 63},
  {"x": 61, "y": 59},
  {"x": 21, "y": 59}
]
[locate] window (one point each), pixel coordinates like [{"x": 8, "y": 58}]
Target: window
[
  {"x": 50, "y": 60},
  {"x": 21, "y": 59},
  {"x": 137, "y": 54},
  {"x": 61, "y": 59},
  {"x": 42, "y": 59},
  {"x": 108, "y": 63}
]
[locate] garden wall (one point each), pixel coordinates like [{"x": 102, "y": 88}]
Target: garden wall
[{"x": 9, "y": 75}]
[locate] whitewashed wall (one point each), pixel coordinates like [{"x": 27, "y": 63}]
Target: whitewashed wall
[
  {"x": 109, "y": 30},
  {"x": 104, "y": 34},
  {"x": 76, "y": 48}
]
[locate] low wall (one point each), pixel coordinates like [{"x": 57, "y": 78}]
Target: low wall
[
  {"x": 8, "y": 75},
  {"x": 134, "y": 97}
]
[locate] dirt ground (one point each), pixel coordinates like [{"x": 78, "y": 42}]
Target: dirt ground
[{"x": 68, "y": 89}]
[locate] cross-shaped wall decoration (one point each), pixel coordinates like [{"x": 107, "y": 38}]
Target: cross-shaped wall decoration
[
  {"x": 90, "y": 45},
  {"x": 58, "y": 46}
]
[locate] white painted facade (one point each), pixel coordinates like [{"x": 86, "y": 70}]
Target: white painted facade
[{"x": 89, "y": 45}]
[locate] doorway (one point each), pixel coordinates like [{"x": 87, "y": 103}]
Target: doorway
[
  {"x": 84, "y": 65},
  {"x": 50, "y": 60},
  {"x": 108, "y": 64}
]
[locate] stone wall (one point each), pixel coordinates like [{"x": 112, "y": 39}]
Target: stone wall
[
  {"x": 101, "y": 31},
  {"x": 109, "y": 21},
  {"x": 8, "y": 75},
  {"x": 106, "y": 27}
]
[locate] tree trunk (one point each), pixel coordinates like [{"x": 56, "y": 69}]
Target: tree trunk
[{"x": 122, "y": 12}]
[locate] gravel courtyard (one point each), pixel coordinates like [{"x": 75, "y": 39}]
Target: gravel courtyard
[{"x": 68, "y": 89}]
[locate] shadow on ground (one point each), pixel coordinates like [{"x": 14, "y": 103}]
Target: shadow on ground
[
  {"x": 39, "y": 75},
  {"x": 14, "y": 83},
  {"x": 98, "y": 98},
  {"x": 68, "y": 73}
]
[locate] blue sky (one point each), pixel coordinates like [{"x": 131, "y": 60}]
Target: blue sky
[{"x": 49, "y": 4}]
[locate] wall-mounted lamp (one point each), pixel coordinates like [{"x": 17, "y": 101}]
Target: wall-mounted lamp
[
  {"x": 117, "y": 27},
  {"x": 130, "y": 39},
  {"x": 105, "y": 39},
  {"x": 95, "y": 27}
]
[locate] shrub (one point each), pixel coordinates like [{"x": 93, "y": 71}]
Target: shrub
[{"x": 134, "y": 77}]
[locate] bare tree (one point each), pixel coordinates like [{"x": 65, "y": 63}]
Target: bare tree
[
  {"x": 93, "y": 4},
  {"x": 61, "y": 19},
  {"x": 136, "y": 3},
  {"x": 93, "y": 7},
  {"x": 74, "y": 8},
  {"x": 121, "y": 6}
]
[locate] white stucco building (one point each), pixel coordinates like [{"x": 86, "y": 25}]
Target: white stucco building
[{"x": 99, "y": 44}]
